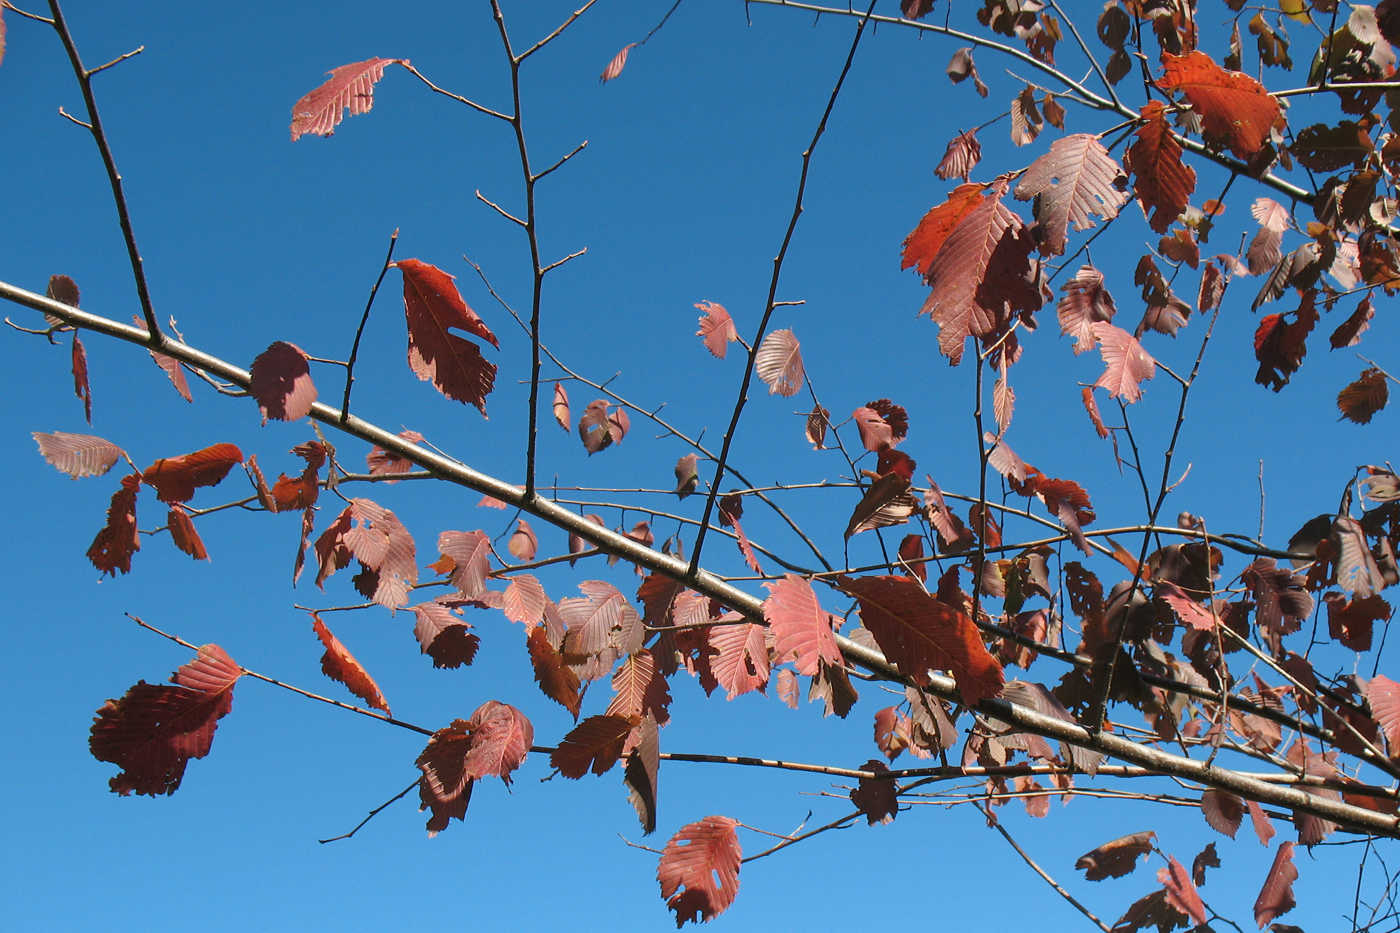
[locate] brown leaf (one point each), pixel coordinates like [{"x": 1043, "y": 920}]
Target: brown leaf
[
  {"x": 1350, "y": 331},
  {"x": 350, "y": 86},
  {"x": 1115, "y": 858},
  {"x": 1222, "y": 810},
  {"x": 432, "y": 307},
  {"x": 1361, "y": 399},
  {"x": 183, "y": 534},
  {"x": 961, "y": 157},
  {"x": 281, "y": 382},
  {"x": 918, "y": 632},
  {"x": 593, "y": 745},
  {"x": 339, "y": 664},
  {"x": 153, "y": 731},
  {"x": 1235, "y": 109},
  {"x": 699, "y": 869},
  {"x": 111, "y": 550},
  {"x": 1276, "y": 896},
  {"x": 444, "y": 636},
  {"x": 81, "y": 388}
]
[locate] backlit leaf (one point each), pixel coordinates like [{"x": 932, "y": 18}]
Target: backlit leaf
[
  {"x": 382, "y": 463},
  {"x": 556, "y": 679},
  {"x": 1126, "y": 364},
  {"x": 81, "y": 388},
  {"x": 375, "y": 537},
  {"x": 78, "y": 455},
  {"x": 618, "y": 62},
  {"x": 699, "y": 869},
  {"x": 443, "y": 635},
  {"x": 921, "y": 246},
  {"x": 1161, "y": 181},
  {"x": 1235, "y": 109},
  {"x": 183, "y": 533},
  {"x": 779, "y": 363},
  {"x": 1276, "y": 896},
  {"x": 432, "y": 307},
  {"x": 1071, "y": 182},
  {"x": 470, "y": 553},
  {"x": 961, "y": 157},
  {"x": 593, "y": 745},
  {"x": 802, "y": 631},
  {"x": 111, "y": 550},
  {"x": 349, "y": 87},
  {"x": 339, "y": 664},
  {"x": 716, "y": 328},
  {"x": 876, "y": 797},
  {"x": 522, "y": 544},
  {"x": 1181, "y": 892},
  {"x": 281, "y": 382},
  {"x": 175, "y": 478},
  {"x": 739, "y": 657},
  {"x": 560, "y": 406}
]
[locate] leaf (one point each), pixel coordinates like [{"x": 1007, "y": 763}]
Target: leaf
[
  {"x": 340, "y": 665},
  {"x": 1235, "y": 109},
  {"x": 643, "y": 754},
  {"x": 442, "y": 635},
  {"x": 81, "y": 388},
  {"x": 739, "y": 657},
  {"x": 960, "y": 68},
  {"x": 350, "y": 86},
  {"x": 1280, "y": 345},
  {"x": 111, "y": 550},
  {"x": 802, "y": 631},
  {"x": 918, "y": 633},
  {"x": 619, "y": 61},
  {"x": 730, "y": 509},
  {"x": 687, "y": 475},
  {"x": 779, "y": 363},
  {"x": 1181, "y": 892},
  {"x": 876, "y": 797},
  {"x": 1091, "y": 406},
  {"x": 951, "y": 532},
  {"x": 500, "y": 739},
  {"x": 716, "y": 328},
  {"x": 1162, "y": 183},
  {"x": 1003, "y": 399},
  {"x": 921, "y": 246},
  {"x": 1361, "y": 399},
  {"x": 817, "y": 423},
  {"x": 175, "y": 478},
  {"x": 961, "y": 157},
  {"x": 1384, "y": 696},
  {"x": 1115, "y": 858},
  {"x": 432, "y": 307},
  {"x": 640, "y": 690},
  {"x": 699, "y": 869},
  {"x": 1357, "y": 571},
  {"x": 1071, "y": 182},
  {"x": 1350, "y": 621},
  {"x": 78, "y": 455},
  {"x": 382, "y": 463},
  {"x": 281, "y": 383},
  {"x": 376, "y": 538},
  {"x": 445, "y": 787},
  {"x": 1350, "y": 331},
  {"x": 171, "y": 366},
  {"x": 886, "y": 502},
  {"x": 522, "y": 544},
  {"x": 153, "y": 731},
  {"x": 1085, "y": 303},
  {"x": 1276, "y": 896},
  {"x": 524, "y": 600},
  {"x": 1126, "y": 364},
  {"x": 561, "y": 406},
  {"x": 593, "y": 426},
  {"x": 875, "y": 431},
  {"x": 1026, "y": 123},
  {"x": 593, "y": 745},
  {"x": 183, "y": 534},
  {"x": 600, "y": 620}
]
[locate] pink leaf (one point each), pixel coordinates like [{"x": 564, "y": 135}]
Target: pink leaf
[
  {"x": 739, "y": 657},
  {"x": 470, "y": 552},
  {"x": 716, "y": 327},
  {"x": 443, "y": 635},
  {"x": 376, "y": 538},
  {"x": 802, "y": 631},
  {"x": 1075, "y": 179},
  {"x": 1086, "y": 302},
  {"x": 522, "y": 544},
  {"x": 281, "y": 382},
  {"x": 619, "y": 61},
  {"x": 432, "y": 306},
  {"x": 1181, "y": 892},
  {"x": 524, "y": 599},
  {"x": 78, "y": 455},
  {"x": 961, "y": 157},
  {"x": 350, "y": 86},
  {"x": 561, "y": 406},
  {"x": 703, "y": 859},
  {"x": 779, "y": 363},
  {"x": 382, "y": 463},
  {"x": 501, "y": 738},
  {"x": 1127, "y": 364},
  {"x": 875, "y": 432}
]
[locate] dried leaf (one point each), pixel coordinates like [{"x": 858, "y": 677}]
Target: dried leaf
[
  {"x": 81, "y": 388},
  {"x": 443, "y": 635},
  {"x": 432, "y": 307},
  {"x": 1126, "y": 364},
  {"x": 1115, "y": 858},
  {"x": 350, "y": 86},
  {"x": 1361, "y": 399},
  {"x": 961, "y": 157},
  {"x": 561, "y": 406},
  {"x": 593, "y": 745},
  {"x": 921, "y": 246},
  {"x": 619, "y": 61},
  {"x": 375, "y": 537},
  {"x": 1181, "y": 892},
  {"x": 175, "y": 478},
  {"x": 876, "y": 797},
  {"x": 281, "y": 383},
  {"x": 1235, "y": 109},
  {"x": 1276, "y": 896},
  {"x": 183, "y": 533},
  {"x": 523, "y": 544}
]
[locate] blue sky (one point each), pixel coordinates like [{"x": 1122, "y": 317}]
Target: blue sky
[{"x": 681, "y": 195}]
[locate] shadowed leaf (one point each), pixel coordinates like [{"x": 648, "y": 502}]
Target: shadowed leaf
[{"x": 432, "y": 307}]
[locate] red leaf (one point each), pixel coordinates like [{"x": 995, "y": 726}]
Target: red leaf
[
  {"x": 779, "y": 363},
  {"x": 350, "y": 86},
  {"x": 382, "y": 463},
  {"x": 961, "y": 156},
  {"x": 1350, "y": 331},
  {"x": 699, "y": 869},
  {"x": 593, "y": 745},
  {"x": 171, "y": 366},
  {"x": 918, "y": 632},
  {"x": 556, "y": 679},
  {"x": 500, "y": 739},
  {"x": 111, "y": 550},
  {"x": 1276, "y": 896},
  {"x": 1126, "y": 364},
  {"x": 1075, "y": 179},
  {"x": 1163, "y": 184},
  {"x": 1085, "y": 303},
  {"x": 1222, "y": 810},
  {"x": 1181, "y": 892},
  {"x": 444, "y": 636},
  {"x": 921, "y": 246},
  {"x": 1360, "y": 400},
  {"x": 643, "y": 754},
  {"x": 1280, "y": 346},
  {"x": 1115, "y": 858},
  {"x": 1234, "y": 108},
  {"x": 1187, "y": 609},
  {"x": 1092, "y": 407},
  {"x": 639, "y": 690},
  {"x": 1262, "y": 827},
  {"x": 524, "y": 600},
  {"x": 523, "y": 544},
  {"x": 561, "y": 406},
  {"x": 183, "y": 534},
  {"x": 802, "y": 631},
  {"x": 619, "y": 61},
  {"x": 886, "y": 502},
  {"x": 600, "y": 620},
  {"x": 716, "y": 327},
  {"x": 340, "y": 665},
  {"x": 175, "y": 478},
  {"x": 817, "y": 423},
  {"x": 80, "y": 377},
  {"x": 875, "y": 432},
  {"x": 1384, "y": 696},
  {"x": 730, "y": 508},
  {"x": 78, "y": 455},
  {"x": 1350, "y": 621},
  {"x": 432, "y": 307},
  {"x": 376, "y": 538},
  {"x": 739, "y": 657},
  {"x": 155, "y": 729},
  {"x": 281, "y": 382}
]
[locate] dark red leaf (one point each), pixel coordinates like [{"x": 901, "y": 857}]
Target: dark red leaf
[
  {"x": 155, "y": 729},
  {"x": 444, "y": 636},
  {"x": 281, "y": 382},
  {"x": 432, "y": 307},
  {"x": 446, "y": 785},
  {"x": 340, "y": 665},
  {"x": 111, "y": 550},
  {"x": 80, "y": 377},
  {"x": 350, "y": 86},
  {"x": 886, "y": 502},
  {"x": 1350, "y": 620},
  {"x": 593, "y": 745},
  {"x": 1350, "y": 331},
  {"x": 1276, "y": 896},
  {"x": 876, "y": 797},
  {"x": 171, "y": 366},
  {"x": 183, "y": 533},
  {"x": 1115, "y": 858},
  {"x": 699, "y": 869}
]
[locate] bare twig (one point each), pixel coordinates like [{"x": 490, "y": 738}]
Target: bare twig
[
  {"x": 359, "y": 331},
  {"x": 372, "y": 814}
]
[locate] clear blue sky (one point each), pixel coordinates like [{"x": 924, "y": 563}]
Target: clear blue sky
[{"x": 681, "y": 195}]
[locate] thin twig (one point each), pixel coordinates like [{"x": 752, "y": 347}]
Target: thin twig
[
  {"x": 372, "y": 814},
  {"x": 116, "y": 61},
  {"x": 457, "y": 97},
  {"x": 995, "y": 823},
  {"x": 359, "y": 331}
]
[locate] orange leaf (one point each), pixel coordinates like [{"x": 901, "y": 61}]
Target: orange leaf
[
  {"x": 175, "y": 478},
  {"x": 182, "y": 532},
  {"x": 923, "y": 244},
  {"x": 1235, "y": 109},
  {"x": 1163, "y": 184},
  {"x": 339, "y": 664}
]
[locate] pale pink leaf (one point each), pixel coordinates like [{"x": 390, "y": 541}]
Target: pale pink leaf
[
  {"x": 1071, "y": 182},
  {"x": 470, "y": 552},
  {"x": 716, "y": 327},
  {"x": 523, "y": 544},
  {"x": 561, "y": 406},
  {"x": 619, "y": 61},
  {"x": 78, "y": 455},
  {"x": 779, "y": 363},
  {"x": 739, "y": 657},
  {"x": 382, "y": 463},
  {"x": 350, "y": 87},
  {"x": 1085, "y": 303},
  {"x": 802, "y": 631},
  {"x": 875, "y": 431},
  {"x": 1127, "y": 364},
  {"x": 524, "y": 600}
]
